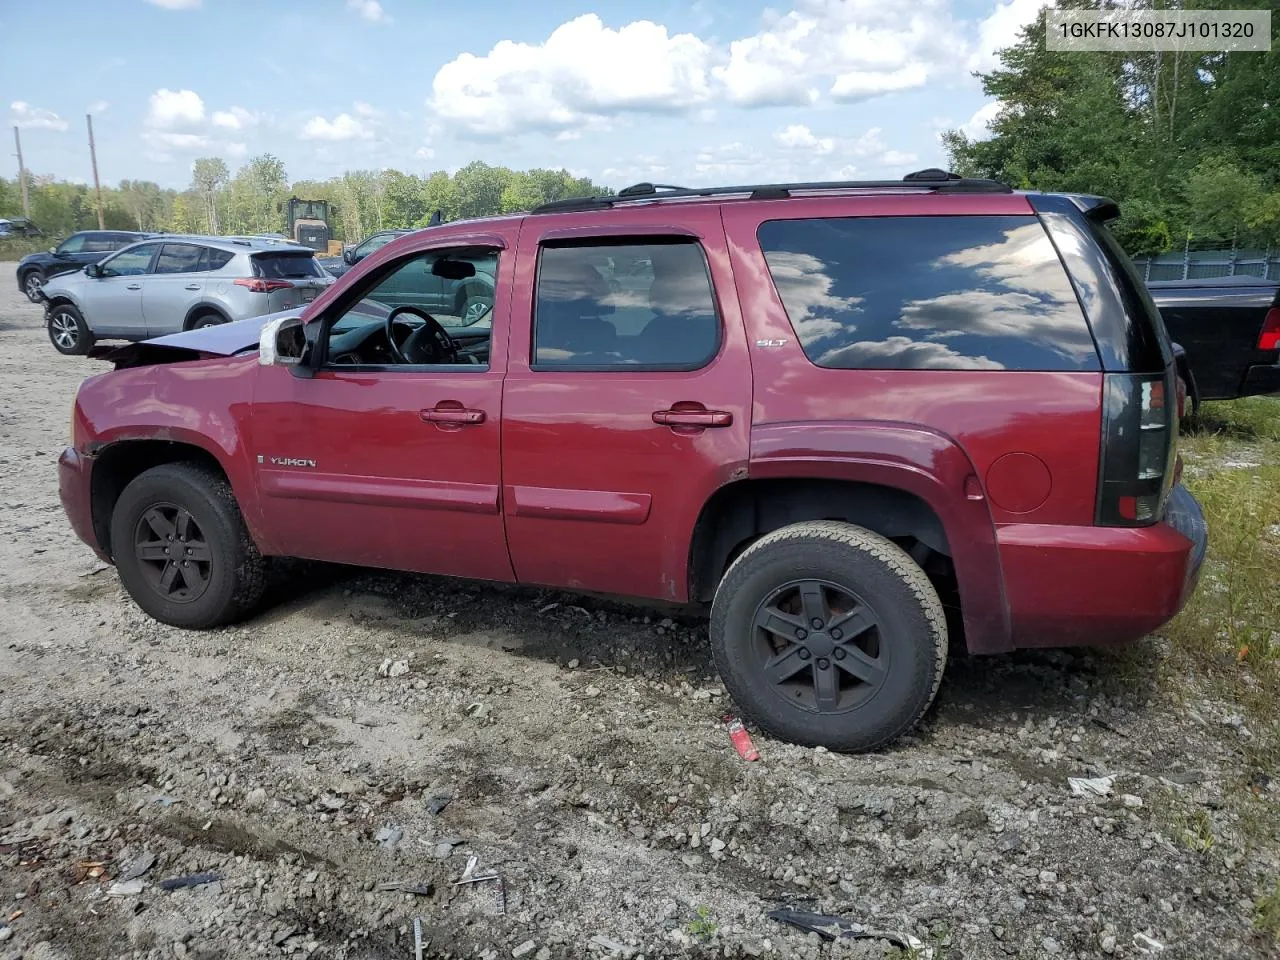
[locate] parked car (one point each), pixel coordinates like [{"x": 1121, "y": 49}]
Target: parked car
[
  {"x": 180, "y": 283},
  {"x": 72, "y": 254},
  {"x": 354, "y": 253},
  {"x": 854, "y": 421},
  {"x": 1230, "y": 329},
  {"x": 18, "y": 227}
]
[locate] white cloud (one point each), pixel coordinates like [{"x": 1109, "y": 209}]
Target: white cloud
[
  {"x": 799, "y": 137},
  {"x": 98, "y": 106},
  {"x": 424, "y": 153},
  {"x": 24, "y": 115},
  {"x": 855, "y": 49},
  {"x": 236, "y": 149},
  {"x": 583, "y": 71},
  {"x": 367, "y": 109},
  {"x": 342, "y": 127},
  {"x": 237, "y": 118},
  {"x": 978, "y": 127},
  {"x": 371, "y": 10},
  {"x": 175, "y": 4},
  {"x": 1001, "y": 29},
  {"x": 174, "y": 108},
  {"x": 179, "y": 141},
  {"x": 894, "y": 158}
]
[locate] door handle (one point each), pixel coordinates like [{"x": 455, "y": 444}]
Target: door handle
[
  {"x": 451, "y": 414},
  {"x": 192, "y": 286},
  {"x": 134, "y": 286},
  {"x": 693, "y": 418}
]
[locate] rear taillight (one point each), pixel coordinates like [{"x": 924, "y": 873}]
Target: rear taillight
[
  {"x": 1139, "y": 434},
  {"x": 1269, "y": 338},
  {"x": 258, "y": 285}
]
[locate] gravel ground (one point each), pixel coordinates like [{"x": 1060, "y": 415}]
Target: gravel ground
[{"x": 581, "y": 749}]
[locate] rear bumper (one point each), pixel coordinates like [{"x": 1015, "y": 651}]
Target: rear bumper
[
  {"x": 74, "y": 488},
  {"x": 1092, "y": 586},
  {"x": 1261, "y": 379}
]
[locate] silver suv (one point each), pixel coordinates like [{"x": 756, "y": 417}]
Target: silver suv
[{"x": 177, "y": 283}]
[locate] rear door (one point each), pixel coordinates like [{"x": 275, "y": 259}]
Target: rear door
[
  {"x": 176, "y": 283},
  {"x": 627, "y": 402},
  {"x": 113, "y": 302}
]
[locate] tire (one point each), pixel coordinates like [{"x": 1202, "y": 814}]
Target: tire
[
  {"x": 222, "y": 589},
  {"x": 473, "y": 300},
  {"x": 206, "y": 320},
  {"x": 68, "y": 332},
  {"x": 863, "y": 585},
  {"x": 31, "y": 282}
]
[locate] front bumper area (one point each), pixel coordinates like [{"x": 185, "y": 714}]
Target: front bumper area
[
  {"x": 1101, "y": 586},
  {"x": 75, "y": 489}
]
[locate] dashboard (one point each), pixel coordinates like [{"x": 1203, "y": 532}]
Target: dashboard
[{"x": 366, "y": 344}]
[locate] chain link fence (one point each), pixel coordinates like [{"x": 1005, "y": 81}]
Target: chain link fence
[{"x": 1189, "y": 264}]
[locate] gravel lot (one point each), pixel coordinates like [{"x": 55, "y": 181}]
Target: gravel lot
[{"x": 581, "y": 748}]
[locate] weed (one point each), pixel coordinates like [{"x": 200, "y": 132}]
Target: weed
[
  {"x": 1249, "y": 418},
  {"x": 701, "y": 926},
  {"x": 1266, "y": 912}
]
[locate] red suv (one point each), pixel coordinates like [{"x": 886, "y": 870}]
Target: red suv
[{"x": 853, "y": 418}]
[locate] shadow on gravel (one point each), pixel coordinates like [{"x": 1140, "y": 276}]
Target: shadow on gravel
[{"x": 670, "y": 643}]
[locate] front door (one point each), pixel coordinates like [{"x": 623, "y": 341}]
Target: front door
[
  {"x": 387, "y": 455},
  {"x": 113, "y": 302},
  {"x": 627, "y": 403},
  {"x": 176, "y": 282}
]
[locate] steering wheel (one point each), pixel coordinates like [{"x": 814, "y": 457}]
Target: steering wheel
[{"x": 429, "y": 343}]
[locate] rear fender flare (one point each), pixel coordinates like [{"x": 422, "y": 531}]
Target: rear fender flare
[
  {"x": 920, "y": 461},
  {"x": 204, "y": 306}
]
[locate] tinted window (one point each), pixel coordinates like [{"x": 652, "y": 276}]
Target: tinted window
[
  {"x": 99, "y": 243},
  {"x": 73, "y": 244},
  {"x": 942, "y": 293},
  {"x": 625, "y": 304},
  {"x": 217, "y": 259},
  {"x": 128, "y": 263},
  {"x": 179, "y": 258},
  {"x": 286, "y": 266},
  {"x": 374, "y": 243},
  {"x": 118, "y": 240}
]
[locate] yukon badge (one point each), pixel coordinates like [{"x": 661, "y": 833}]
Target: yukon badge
[{"x": 287, "y": 461}]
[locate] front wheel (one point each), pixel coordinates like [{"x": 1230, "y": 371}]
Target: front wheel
[
  {"x": 827, "y": 634},
  {"x": 68, "y": 332},
  {"x": 31, "y": 284},
  {"x": 181, "y": 547},
  {"x": 474, "y": 305}
]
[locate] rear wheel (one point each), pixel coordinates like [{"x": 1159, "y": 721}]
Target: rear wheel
[
  {"x": 68, "y": 332},
  {"x": 473, "y": 305},
  {"x": 830, "y": 635},
  {"x": 181, "y": 547},
  {"x": 32, "y": 280},
  {"x": 206, "y": 320}
]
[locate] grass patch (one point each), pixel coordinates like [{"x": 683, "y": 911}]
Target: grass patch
[
  {"x": 15, "y": 248},
  {"x": 1266, "y": 913},
  {"x": 1230, "y": 630}
]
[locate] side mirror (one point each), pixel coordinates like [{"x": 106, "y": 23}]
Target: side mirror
[
  {"x": 349, "y": 256},
  {"x": 281, "y": 343},
  {"x": 54, "y": 251},
  {"x": 93, "y": 270}
]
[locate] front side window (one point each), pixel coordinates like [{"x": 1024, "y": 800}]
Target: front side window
[
  {"x": 628, "y": 304},
  {"x": 374, "y": 244},
  {"x": 938, "y": 293},
  {"x": 180, "y": 258},
  {"x": 73, "y": 244},
  {"x": 425, "y": 310},
  {"x": 131, "y": 262}
]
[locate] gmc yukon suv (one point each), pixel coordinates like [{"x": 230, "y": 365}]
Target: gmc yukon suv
[{"x": 855, "y": 419}]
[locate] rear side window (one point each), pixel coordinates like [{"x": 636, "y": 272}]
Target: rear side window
[
  {"x": 217, "y": 259},
  {"x": 286, "y": 266},
  {"x": 627, "y": 304},
  {"x": 179, "y": 258},
  {"x": 937, "y": 293}
]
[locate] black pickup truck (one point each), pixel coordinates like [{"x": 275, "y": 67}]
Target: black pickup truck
[{"x": 1230, "y": 330}]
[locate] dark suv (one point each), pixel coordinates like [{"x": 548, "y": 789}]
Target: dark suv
[
  {"x": 857, "y": 421},
  {"x": 74, "y": 253}
]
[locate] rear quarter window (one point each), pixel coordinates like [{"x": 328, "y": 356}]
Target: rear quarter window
[{"x": 938, "y": 293}]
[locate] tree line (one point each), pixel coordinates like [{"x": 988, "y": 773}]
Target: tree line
[
  {"x": 250, "y": 200},
  {"x": 1187, "y": 142}
]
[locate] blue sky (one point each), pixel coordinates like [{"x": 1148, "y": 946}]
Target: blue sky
[{"x": 697, "y": 93}]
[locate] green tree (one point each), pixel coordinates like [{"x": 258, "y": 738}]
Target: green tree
[
  {"x": 180, "y": 217},
  {"x": 208, "y": 176}
]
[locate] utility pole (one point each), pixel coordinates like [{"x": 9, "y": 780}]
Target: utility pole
[
  {"x": 22, "y": 174},
  {"x": 93, "y": 156}
]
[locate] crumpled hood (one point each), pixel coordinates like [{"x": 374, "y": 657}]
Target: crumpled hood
[{"x": 223, "y": 339}]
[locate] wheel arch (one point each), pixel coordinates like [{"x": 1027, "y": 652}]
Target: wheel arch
[
  {"x": 200, "y": 309},
  {"x": 117, "y": 463},
  {"x": 900, "y": 481}
]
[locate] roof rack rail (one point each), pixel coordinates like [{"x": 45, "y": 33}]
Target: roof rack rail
[{"x": 932, "y": 178}]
